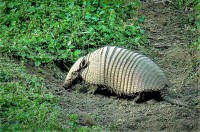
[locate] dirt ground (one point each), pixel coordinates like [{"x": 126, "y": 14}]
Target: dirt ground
[{"x": 168, "y": 41}]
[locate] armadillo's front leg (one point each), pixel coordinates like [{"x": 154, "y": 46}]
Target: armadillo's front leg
[
  {"x": 92, "y": 88},
  {"x": 139, "y": 98}
]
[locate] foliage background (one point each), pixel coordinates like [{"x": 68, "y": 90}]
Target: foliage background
[{"x": 48, "y": 31}]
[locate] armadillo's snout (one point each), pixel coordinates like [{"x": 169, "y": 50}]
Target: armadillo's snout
[{"x": 66, "y": 85}]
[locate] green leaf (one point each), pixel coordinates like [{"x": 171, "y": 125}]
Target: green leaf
[
  {"x": 37, "y": 63},
  {"x": 77, "y": 53},
  {"x": 142, "y": 19}
]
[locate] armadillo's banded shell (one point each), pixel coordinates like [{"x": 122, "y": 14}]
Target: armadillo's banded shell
[{"x": 123, "y": 70}]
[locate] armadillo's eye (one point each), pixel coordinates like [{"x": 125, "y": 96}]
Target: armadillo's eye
[{"x": 74, "y": 73}]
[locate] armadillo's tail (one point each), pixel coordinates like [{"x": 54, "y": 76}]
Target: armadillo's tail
[{"x": 167, "y": 98}]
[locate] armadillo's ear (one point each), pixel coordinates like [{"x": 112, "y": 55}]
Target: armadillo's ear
[{"x": 83, "y": 63}]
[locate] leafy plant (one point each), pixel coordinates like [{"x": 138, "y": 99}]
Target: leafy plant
[
  {"x": 48, "y": 31},
  {"x": 196, "y": 44},
  {"x": 181, "y": 4}
]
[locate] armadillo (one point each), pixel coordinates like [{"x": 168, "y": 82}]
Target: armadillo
[{"x": 122, "y": 71}]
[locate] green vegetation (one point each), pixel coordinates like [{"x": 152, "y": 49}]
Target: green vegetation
[
  {"x": 24, "y": 102},
  {"x": 49, "y": 31},
  {"x": 74, "y": 125},
  {"x": 182, "y": 4},
  {"x": 194, "y": 18},
  {"x": 197, "y": 23}
]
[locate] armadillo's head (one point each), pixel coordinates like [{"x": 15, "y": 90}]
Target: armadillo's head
[{"x": 74, "y": 72}]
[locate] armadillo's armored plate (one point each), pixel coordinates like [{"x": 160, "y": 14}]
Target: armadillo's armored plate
[{"x": 124, "y": 71}]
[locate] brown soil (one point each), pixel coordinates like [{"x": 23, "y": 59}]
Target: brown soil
[{"x": 169, "y": 40}]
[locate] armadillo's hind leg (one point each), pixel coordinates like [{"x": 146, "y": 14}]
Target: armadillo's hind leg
[{"x": 92, "y": 88}]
